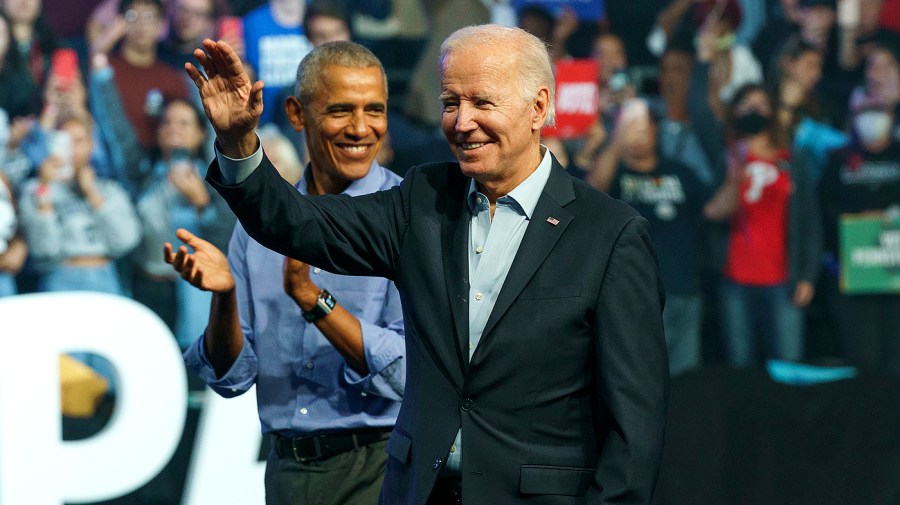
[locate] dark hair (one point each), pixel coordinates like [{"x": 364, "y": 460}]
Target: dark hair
[
  {"x": 12, "y": 59},
  {"x": 124, "y": 5},
  {"x": 220, "y": 8},
  {"x": 21, "y": 96},
  {"x": 792, "y": 49},
  {"x": 730, "y": 11},
  {"x": 777, "y": 134},
  {"x": 198, "y": 114},
  {"x": 537, "y": 11},
  {"x": 795, "y": 47},
  {"x": 326, "y": 9},
  {"x": 156, "y": 151},
  {"x": 888, "y": 41}
]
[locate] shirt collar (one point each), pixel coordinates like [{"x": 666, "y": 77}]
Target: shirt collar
[
  {"x": 370, "y": 183},
  {"x": 527, "y": 193}
]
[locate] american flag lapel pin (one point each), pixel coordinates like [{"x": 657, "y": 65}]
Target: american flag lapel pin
[{"x": 553, "y": 221}]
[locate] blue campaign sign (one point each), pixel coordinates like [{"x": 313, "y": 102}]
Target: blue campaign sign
[{"x": 587, "y": 10}]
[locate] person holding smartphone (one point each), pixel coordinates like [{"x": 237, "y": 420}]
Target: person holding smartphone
[
  {"x": 174, "y": 196},
  {"x": 75, "y": 223}
]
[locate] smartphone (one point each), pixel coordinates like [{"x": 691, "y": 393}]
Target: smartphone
[
  {"x": 59, "y": 144},
  {"x": 64, "y": 65},
  {"x": 230, "y": 29},
  {"x": 619, "y": 80},
  {"x": 848, "y": 13},
  {"x": 633, "y": 109},
  {"x": 181, "y": 161}
]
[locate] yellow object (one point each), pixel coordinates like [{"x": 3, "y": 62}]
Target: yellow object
[{"x": 82, "y": 388}]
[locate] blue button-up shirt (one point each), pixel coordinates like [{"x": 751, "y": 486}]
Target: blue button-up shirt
[
  {"x": 493, "y": 244},
  {"x": 303, "y": 384}
]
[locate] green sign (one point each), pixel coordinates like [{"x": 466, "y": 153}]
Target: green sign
[{"x": 870, "y": 254}]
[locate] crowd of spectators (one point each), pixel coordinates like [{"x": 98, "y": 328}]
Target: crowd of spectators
[{"x": 745, "y": 131}]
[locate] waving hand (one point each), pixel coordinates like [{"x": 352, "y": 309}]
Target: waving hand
[{"x": 233, "y": 103}]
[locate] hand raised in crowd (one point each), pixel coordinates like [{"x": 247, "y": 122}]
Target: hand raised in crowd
[
  {"x": 566, "y": 23},
  {"x": 298, "y": 285},
  {"x": 792, "y": 93},
  {"x": 61, "y": 99},
  {"x": 13, "y": 259},
  {"x": 803, "y": 293},
  {"x": 86, "y": 178},
  {"x": 206, "y": 268},
  {"x": 594, "y": 139},
  {"x": 19, "y": 128},
  {"x": 188, "y": 182},
  {"x": 51, "y": 169},
  {"x": 233, "y": 103}
]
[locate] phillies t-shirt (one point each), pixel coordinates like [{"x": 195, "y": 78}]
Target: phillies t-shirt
[{"x": 757, "y": 243}]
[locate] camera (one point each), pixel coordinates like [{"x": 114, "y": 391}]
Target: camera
[{"x": 619, "y": 80}]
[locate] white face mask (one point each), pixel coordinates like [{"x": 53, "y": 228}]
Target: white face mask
[{"x": 872, "y": 126}]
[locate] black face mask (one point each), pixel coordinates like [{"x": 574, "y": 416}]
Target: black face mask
[{"x": 751, "y": 123}]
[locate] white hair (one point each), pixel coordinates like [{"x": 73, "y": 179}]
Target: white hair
[{"x": 533, "y": 60}]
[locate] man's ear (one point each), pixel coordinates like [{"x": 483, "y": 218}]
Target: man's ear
[
  {"x": 294, "y": 110},
  {"x": 540, "y": 108}
]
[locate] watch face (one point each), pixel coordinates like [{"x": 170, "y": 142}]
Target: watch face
[
  {"x": 326, "y": 301},
  {"x": 324, "y": 305}
]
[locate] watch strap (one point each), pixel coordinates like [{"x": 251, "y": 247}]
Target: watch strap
[{"x": 324, "y": 305}]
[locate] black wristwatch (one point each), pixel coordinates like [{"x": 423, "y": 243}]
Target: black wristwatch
[{"x": 324, "y": 306}]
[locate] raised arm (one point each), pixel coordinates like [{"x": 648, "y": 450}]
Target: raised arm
[
  {"x": 207, "y": 269},
  {"x": 232, "y": 102}
]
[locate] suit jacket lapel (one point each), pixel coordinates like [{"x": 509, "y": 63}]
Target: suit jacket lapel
[
  {"x": 548, "y": 222},
  {"x": 454, "y": 243}
]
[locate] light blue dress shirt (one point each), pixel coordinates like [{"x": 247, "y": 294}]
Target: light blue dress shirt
[
  {"x": 303, "y": 384},
  {"x": 493, "y": 244}
]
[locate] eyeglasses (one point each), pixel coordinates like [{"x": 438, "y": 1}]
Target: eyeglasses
[{"x": 145, "y": 17}]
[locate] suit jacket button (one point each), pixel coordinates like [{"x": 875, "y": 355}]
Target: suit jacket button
[
  {"x": 437, "y": 463},
  {"x": 467, "y": 404}
]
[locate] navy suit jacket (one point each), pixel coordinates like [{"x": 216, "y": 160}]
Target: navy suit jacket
[{"x": 564, "y": 399}]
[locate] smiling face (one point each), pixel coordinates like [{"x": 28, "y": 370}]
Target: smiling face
[
  {"x": 179, "y": 128},
  {"x": 344, "y": 123},
  {"x": 492, "y": 130}
]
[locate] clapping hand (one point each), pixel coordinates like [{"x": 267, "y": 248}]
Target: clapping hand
[{"x": 205, "y": 268}]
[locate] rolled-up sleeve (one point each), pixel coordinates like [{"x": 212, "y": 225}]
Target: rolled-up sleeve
[
  {"x": 243, "y": 372},
  {"x": 239, "y": 378},
  {"x": 384, "y": 346}
]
